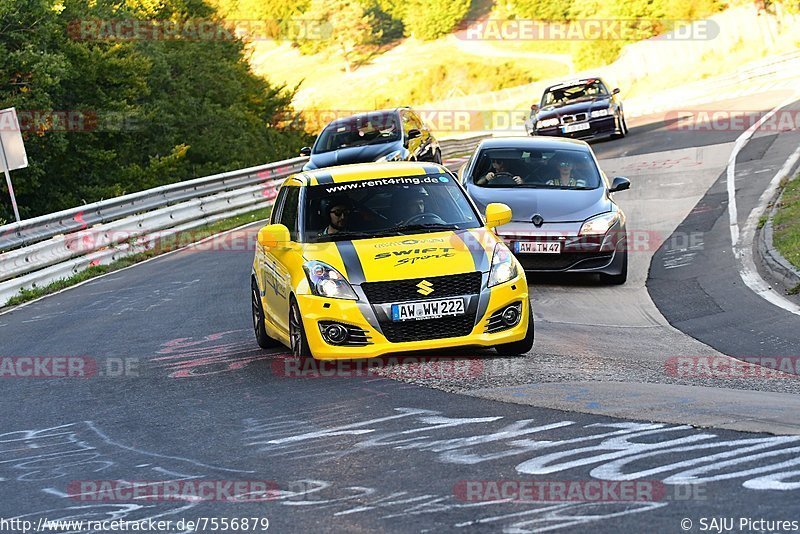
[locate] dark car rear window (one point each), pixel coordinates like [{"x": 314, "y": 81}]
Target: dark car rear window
[{"x": 368, "y": 129}]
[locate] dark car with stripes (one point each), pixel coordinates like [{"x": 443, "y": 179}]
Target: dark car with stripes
[{"x": 579, "y": 109}]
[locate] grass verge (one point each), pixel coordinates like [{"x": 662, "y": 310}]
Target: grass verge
[
  {"x": 181, "y": 239},
  {"x": 786, "y": 223}
]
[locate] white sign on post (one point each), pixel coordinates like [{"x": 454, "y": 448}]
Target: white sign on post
[{"x": 12, "y": 150}]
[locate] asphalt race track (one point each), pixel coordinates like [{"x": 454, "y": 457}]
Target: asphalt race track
[{"x": 179, "y": 391}]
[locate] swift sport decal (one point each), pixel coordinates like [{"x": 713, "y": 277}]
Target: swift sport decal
[{"x": 410, "y": 256}]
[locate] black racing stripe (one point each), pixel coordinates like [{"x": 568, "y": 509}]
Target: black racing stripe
[
  {"x": 483, "y": 301},
  {"x": 430, "y": 169},
  {"x": 324, "y": 179},
  {"x": 475, "y": 248},
  {"x": 355, "y": 271}
]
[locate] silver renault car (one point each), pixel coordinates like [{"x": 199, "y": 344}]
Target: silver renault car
[{"x": 564, "y": 215}]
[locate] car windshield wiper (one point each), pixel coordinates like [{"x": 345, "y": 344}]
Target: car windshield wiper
[
  {"x": 345, "y": 236},
  {"x": 423, "y": 226}
]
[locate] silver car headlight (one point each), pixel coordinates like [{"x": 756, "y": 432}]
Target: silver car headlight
[
  {"x": 325, "y": 281},
  {"x": 600, "y": 113},
  {"x": 599, "y": 224},
  {"x": 397, "y": 155},
  {"x": 546, "y": 123},
  {"x": 504, "y": 268}
]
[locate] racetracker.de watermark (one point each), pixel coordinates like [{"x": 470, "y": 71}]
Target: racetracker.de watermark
[
  {"x": 633, "y": 240},
  {"x": 172, "y": 490},
  {"x": 528, "y": 491},
  {"x": 438, "y": 120},
  {"x": 40, "y": 121},
  {"x": 772, "y": 367},
  {"x": 588, "y": 30},
  {"x": 67, "y": 367},
  {"x": 727, "y": 120},
  {"x": 287, "y": 366},
  {"x": 292, "y": 29}
]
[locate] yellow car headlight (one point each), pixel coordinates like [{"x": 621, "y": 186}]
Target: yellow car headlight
[
  {"x": 504, "y": 268},
  {"x": 326, "y": 281}
]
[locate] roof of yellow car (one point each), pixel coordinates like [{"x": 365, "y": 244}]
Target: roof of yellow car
[{"x": 369, "y": 171}]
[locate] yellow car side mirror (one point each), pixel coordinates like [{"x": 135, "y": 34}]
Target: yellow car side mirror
[
  {"x": 274, "y": 236},
  {"x": 497, "y": 214}
]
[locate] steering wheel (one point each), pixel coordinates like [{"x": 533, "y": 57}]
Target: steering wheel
[
  {"x": 424, "y": 218},
  {"x": 504, "y": 176}
]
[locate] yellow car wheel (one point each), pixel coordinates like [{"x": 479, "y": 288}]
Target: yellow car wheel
[
  {"x": 297, "y": 333},
  {"x": 262, "y": 338}
]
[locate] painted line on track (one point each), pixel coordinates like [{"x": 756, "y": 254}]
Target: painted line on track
[{"x": 742, "y": 242}]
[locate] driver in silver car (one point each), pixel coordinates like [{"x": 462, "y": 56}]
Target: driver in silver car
[{"x": 499, "y": 174}]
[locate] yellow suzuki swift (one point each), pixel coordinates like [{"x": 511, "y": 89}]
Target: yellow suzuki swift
[{"x": 365, "y": 260}]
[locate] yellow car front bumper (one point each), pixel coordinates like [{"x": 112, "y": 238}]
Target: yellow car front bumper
[{"x": 315, "y": 309}]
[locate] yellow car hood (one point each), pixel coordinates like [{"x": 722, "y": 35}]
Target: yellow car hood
[{"x": 409, "y": 256}]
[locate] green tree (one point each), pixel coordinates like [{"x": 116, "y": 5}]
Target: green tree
[
  {"x": 429, "y": 19},
  {"x": 351, "y": 29},
  {"x": 541, "y": 9},
  {"x": 146, "y": 112}
]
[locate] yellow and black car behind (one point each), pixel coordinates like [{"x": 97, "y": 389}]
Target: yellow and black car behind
[{"x": 365, "y": 260}]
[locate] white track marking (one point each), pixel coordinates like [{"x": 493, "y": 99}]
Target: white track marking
[{"x": 742, "y": 244}]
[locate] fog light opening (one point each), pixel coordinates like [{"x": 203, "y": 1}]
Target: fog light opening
[
  {"x": 334, "y": 333},
  {"x": 511, "y": 315}
]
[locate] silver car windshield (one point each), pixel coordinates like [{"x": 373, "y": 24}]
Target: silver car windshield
[{"x": 561, "y": 169}]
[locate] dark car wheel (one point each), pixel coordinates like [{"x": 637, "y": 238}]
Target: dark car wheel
[
  {"x": 297, "y": 333},
  {"x": 622, "y": 128},
  {"x": 617, "y": 279},
  {"x": 519, "y": 348},
  {"x": 437, "y": 157},
  {"x": 262, "y": 338}
]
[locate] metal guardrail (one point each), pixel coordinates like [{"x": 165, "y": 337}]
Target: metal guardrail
[
  {"x": 453, "y": 147},
  {"x": 46, "y": 226},
  {"x": 44, "y": 249}
]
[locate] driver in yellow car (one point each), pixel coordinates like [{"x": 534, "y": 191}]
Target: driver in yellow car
[{"x": 407, "y": 204}]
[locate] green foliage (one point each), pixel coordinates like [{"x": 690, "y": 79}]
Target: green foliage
[
  {"x": 429, "y": 19},
  {"x": 541, "y": 9},
  {"x": 264, "y": 10},
  {"x": 427, "y": 84},
  {"x": 350, "y": 29},
  {"x": 786, "y": 223},
  {"x": 636, "y": 19},
  {"x": 154, "y": 111}
]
